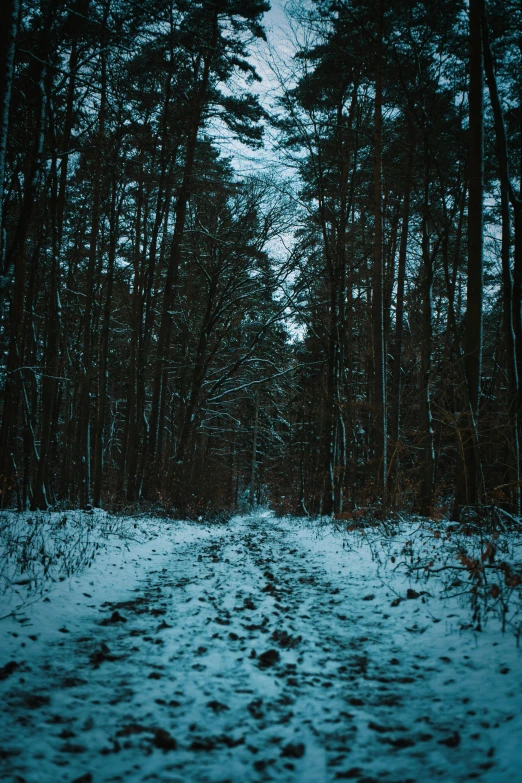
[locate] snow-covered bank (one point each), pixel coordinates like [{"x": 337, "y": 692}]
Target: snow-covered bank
[
  {"x": 37, "y": 550},
  {"x": 118, "y": 552},
  {"x": 266, "y": 649}
]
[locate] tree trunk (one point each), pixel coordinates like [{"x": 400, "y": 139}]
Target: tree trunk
[
  {"x": 473, "y": 332},
  {"x": 395, "y": 417},
  {"x": 328, "y": 505},
  {"x": 133, "y": 421},
  {"x": 516, "y": 201},
  {"x": 49, "y": 381},
  {"x": 104, "y": 355},
  {"x": 253, "y": 466},
  {"x": 428, "y": 456},
  {"x": 380, "y": 423},
  {"x": 8, "y": 30},
  {"x": 84, "y": 411},
  {"x": 17, "y": 258},
  {"x": 510, "y": 322}
]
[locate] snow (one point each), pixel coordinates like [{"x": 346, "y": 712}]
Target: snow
[{"x": 150, "y": 665}]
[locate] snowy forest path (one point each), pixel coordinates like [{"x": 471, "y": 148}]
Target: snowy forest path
[{"x": 257, "y": 652}]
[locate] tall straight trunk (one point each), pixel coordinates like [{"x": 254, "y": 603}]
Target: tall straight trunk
[
  {"x": 380, "y": 425},
  {"x": 390, "y": 242},
  {"x": 450, "y": 280},
  {"x": 428, "y": 455},
  {"x": 232, "y": 466},
  {"x": 8, "y": 29},
  {"x": 341, "y": 459},
  {"x": 17, "y": 259},
  {"x": 133, "y": 423},
  {"x": 68, "y": 450},
  {"x": 334, "y": 464},
  {"x": 451, "y": 277},
  {"x": 516, "y": 201},
  {"x": 510, "y": 322},
  {"x": 396, "y": 383},
  {"x": 103, "y": 376},
  {"x": 253, "y": 465},
  {"x": 511, "y": 357},
  {"x": 28, "y": 388},
  {"x": 66, "y": 138},
  {"x": 328, "y": 505},
  {"x": 63, "y": 393},
  {"x": 346, "y": 150},
  {"x": 51, "y": 388},
  {"x": 517, "y": 289},
  {"x": 159, "y": 372},
  {"x": 53, "y": 329},
  {"x": 84, "y": 410},
  {"x": 473, "y": 330}
]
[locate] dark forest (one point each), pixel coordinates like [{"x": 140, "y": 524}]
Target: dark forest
[
  {"x": 338, "y": 331},
  {"x": 260, "y": 391}
]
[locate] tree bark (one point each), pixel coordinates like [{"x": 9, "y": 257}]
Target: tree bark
[
  {"x": 8, "y": 29},
  {"x": 512, "y": 343},
  {"x": 396, "y": 384},
  {"x": 17, "y": 258},
  {"x": 428, "y": 456},
  {"x": 253, "y": 466},
  {"x": 84, "y": 410},
  {"x": 103, "y": 376},
  {"x": 473, "y": 330},
  {"x": 379, "y": 402},
  {"x": 49, "y": 380}
]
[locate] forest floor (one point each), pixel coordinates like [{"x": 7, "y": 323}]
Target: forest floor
[{"x": 261, "y": 650}]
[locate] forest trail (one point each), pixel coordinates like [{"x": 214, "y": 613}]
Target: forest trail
[{"x": 260, "y": 651}]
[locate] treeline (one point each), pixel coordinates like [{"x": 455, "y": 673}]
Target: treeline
[
  {"x": 410, "y": 252},
  {"x": 159, "y": 345}
]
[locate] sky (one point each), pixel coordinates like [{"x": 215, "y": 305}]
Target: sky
[
  {"x": 266, "y": 161},
  {"x": 278, "y": 45}
]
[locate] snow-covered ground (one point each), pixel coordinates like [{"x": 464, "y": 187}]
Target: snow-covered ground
[{"x": 264, "y": 649}]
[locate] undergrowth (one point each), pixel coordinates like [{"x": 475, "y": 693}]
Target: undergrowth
[
  {"x": 39, "y": 549},
  {"x": 477, "y": 560}
]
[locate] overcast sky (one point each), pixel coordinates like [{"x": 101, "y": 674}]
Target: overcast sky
[{"x": 279, "y": 41}]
